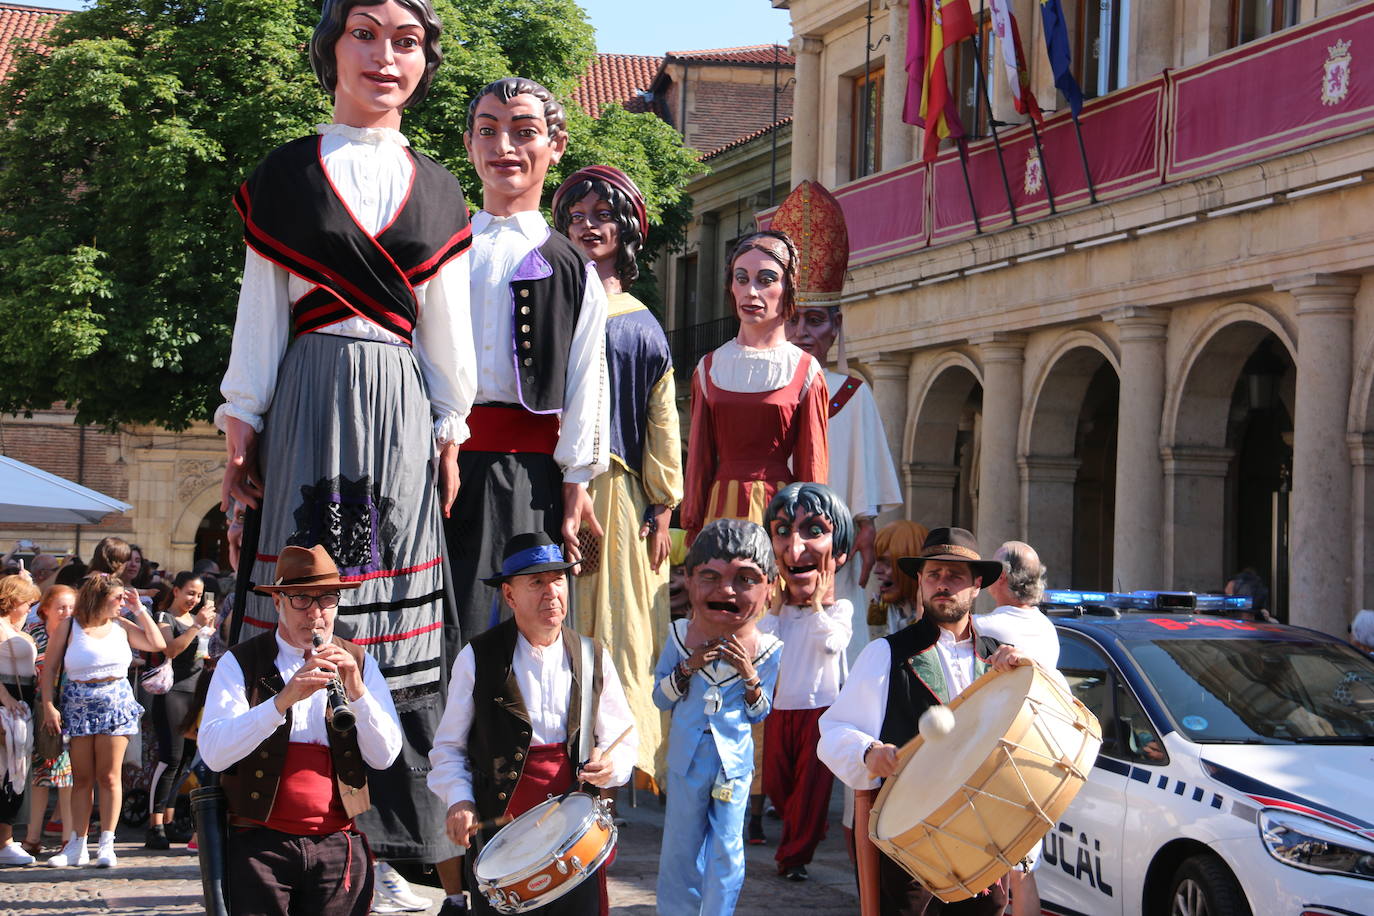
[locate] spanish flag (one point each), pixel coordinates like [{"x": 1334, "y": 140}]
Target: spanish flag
[{"x": 942, "y": 24}]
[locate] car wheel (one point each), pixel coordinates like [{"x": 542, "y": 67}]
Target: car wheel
[{"x": 1203, "y": 886}]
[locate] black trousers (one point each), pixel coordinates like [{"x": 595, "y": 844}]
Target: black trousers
[
  {"x": 902, "y": 895},
  {"x": 282, "y": 874}
]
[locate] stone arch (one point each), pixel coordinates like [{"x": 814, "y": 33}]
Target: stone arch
[
  {"x": 1067, "y": 458},
  {"x": 1202, "y": 449},
  {"x": 188, "y": 521},
  {"x": 939, "y": 443}
]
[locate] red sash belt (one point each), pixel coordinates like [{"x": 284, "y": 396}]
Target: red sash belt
[
  {"x": 511, "y": 430},
  {"x": 548, "y": 771},
  {"x": 307, "y": 799}
]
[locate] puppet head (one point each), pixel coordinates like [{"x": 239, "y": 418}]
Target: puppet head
[
  {"x": 730, "y": 570},
  {"x": 628, "y": 222},
  {"x": 330, "y": 29},
  {"x": 777, "y": 247},
  {"x": 812, "y": 534},
  {"x": 895, "y": 540}
]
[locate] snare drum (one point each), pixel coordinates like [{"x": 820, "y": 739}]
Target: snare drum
[
  {"x": 964, "y": 808},
  {"x": 528, "y": 863}
]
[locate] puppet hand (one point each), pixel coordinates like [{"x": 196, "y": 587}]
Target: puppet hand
[
  {"x": 448, "y": 477},
  {"x": 242, "y": 481},
  {"x": 577, "y": 513},
  {"x": 865, "y": 539}
]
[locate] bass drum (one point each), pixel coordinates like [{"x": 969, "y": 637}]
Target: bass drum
[{"x": 965, "y": 807}]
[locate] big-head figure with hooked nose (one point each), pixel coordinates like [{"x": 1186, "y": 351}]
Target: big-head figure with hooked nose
[{"x": 716, "y": 676}]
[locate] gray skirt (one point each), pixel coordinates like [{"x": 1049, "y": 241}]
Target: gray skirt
[{"x": 346, "y": 455}]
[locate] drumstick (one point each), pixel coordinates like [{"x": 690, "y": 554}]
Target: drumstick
[
  {"x": 494, "y": 823},
  {"x": 554, "y": 807}
]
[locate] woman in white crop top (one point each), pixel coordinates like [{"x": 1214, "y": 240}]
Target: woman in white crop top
[
  {"x": 98, "y": 711},
  {"x": 17, "y": 655}
]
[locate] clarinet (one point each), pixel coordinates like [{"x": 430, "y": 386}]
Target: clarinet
[{"x": 341, "y": 718}]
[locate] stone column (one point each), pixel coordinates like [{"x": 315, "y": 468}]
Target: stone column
[
  {"x": 1362, "y": 499},
  {"x": 710, "y": 279},
  {"x": 1047, "y": 482},
  {"x": 898, "y": 138},
  {"x": 1322, "y": 553},
  {"x": 1137, "y": 541},
  {"x": 806, "y": 109},
  {"x": 1195, "y": 507},
  {"x": 999, "y": 481},
  {"x": 930, "y": 492}
]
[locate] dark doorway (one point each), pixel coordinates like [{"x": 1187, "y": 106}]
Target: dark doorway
[{"x": 1094, "y": 493}]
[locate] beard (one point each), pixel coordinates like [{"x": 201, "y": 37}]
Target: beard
[{"x": 949, "y": 613}]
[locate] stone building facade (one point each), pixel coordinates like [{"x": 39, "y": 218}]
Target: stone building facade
[{"x": 1156, "y": 389}]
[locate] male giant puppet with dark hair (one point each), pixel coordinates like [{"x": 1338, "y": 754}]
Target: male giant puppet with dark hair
[
  {"x": 352, "y": 371},
  {"x": 540, "y": 427},
  {"x": 624, "y": 602}
]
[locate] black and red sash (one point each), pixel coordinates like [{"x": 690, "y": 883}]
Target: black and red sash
[{"x": 294, "y": 217}]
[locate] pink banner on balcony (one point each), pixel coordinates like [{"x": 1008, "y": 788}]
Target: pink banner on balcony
[
  {"x": 1123, "y": 134},
  {"x": 1296, "y": 87},
  {"x": 884, "y": 213}
]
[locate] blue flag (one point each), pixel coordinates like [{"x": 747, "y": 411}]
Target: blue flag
[{"x": 1061, "y": 59}]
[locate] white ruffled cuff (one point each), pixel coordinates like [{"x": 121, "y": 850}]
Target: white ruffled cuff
[
  {"x": 450, "y": 428},
  {"x": 229, "y": 410}
]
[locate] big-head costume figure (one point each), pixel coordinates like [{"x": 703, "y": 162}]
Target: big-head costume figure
[
  {"x": 624, "y": 601},
  {"x": 352, "y": 369},
  {"x": 861, "y": 467},
  {"x": 540, "y": 427}
]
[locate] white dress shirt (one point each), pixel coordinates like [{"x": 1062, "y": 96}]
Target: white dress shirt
[
  {"x": 371, "y": 172},
  {"x": 230, "y": 729},
  {"x": 855, "y": 719},
  {"x": 544, "y": 676},
  {"x": 1026, "y": 628},
  {"x": 499, "y": 244},
  {"x": 735, "y": 367},
  {"x": 813, "y": 644}
]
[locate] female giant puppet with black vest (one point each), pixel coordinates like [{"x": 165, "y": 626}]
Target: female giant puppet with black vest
[{"x": 352, "y": 370}]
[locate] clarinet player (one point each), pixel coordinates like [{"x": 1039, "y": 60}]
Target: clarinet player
[{"x": 294, "y": 778}]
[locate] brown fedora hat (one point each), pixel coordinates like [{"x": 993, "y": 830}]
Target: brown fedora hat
[
  {"x": 300, "y": 568},
  {"x": 953, "y": 545}
]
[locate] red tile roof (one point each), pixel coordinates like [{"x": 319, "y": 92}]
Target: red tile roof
[
  {"x": 615, "y": 78},
  {"x": 761, "y": 132},
  {"x": 25, "y": 24},
  {"x": 746, "y": 54}
]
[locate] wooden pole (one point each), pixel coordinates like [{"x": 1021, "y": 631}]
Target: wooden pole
[{"x": 866, "y": 853}]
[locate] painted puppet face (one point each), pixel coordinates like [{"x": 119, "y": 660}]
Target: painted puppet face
[
  {"x": 756, "y": 282},
  {"x": 814, "y": 330},
  {"x": 510, "y": 147},
  {"x": 804, "y": 551},
  {"x": 726, "y": 595},
  {"x": 380, "y": 59},
  {"x": 592, "y": 228}
]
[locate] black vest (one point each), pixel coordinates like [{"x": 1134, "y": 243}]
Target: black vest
[
  {"x": 250, "y": 784},
  {"x": 546, "y": 299},
  {"x": 499, "y": 740},
  {"x": 916, "y": 681}
]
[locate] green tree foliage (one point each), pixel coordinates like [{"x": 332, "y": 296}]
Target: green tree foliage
[{"x": 121, "y": 147}]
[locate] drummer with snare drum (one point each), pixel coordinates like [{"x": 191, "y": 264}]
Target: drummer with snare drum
[
  {"x": 511, "y": 732},
  {"x": 897, "y": 678}
]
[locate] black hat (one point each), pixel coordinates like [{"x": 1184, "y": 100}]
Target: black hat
[
  {"x": 953, "y": 545},
  {"x": 527, "y": 554}
]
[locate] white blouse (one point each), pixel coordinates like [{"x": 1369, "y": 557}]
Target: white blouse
[
  {"x": 371, "y": 170},
  {"x": 813, "y": 646},
  {"x": 735, "y": 367}
]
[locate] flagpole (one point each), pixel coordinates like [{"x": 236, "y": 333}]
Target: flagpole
[
  {"x": 968, "y": 185},
  {"x": 1083, "y": 153},
  {"x": 987, "y": 97}
]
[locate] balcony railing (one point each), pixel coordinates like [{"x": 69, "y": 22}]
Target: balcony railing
[
  {"x": 1293, "y": 89},
  {"x": 689, "y": 344}
]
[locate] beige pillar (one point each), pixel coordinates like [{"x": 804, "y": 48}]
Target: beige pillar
[
  {"x": 999, "y": 481},
  {"x": 806, "y": 109},
  {"x": 1194, "y": 513},
  {"x": 1321, "y": 549},
  {"x": 1137, "y": 542},
  {"x": 1047, "y": 482},
  {"x": 899, "y": 138},
  {"x": 930, "y": 492},
  {"x": 1362, "y": 499},
  {"x": 710, "y": 276}
]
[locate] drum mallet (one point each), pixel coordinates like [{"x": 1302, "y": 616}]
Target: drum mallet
[{"x": 610, "y": 747}]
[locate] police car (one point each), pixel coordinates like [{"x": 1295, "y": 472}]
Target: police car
[{"x": 1237, "y": 767}]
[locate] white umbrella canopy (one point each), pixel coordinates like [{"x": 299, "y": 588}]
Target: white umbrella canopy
[{"x": 29, "y": 496}]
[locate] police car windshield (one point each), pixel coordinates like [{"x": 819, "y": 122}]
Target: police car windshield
[{"x": 1265, "y": 691}]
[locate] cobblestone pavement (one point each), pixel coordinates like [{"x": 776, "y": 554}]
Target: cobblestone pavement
[{"x": 168, "y": 883}]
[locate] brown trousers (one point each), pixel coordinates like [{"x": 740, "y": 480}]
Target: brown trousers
[{"x": 282, "y": 874}]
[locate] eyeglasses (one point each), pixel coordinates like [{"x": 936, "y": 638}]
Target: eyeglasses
[{"x": 302, "y": 602}]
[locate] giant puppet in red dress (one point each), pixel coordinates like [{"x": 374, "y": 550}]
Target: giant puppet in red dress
[{"x": 759, "y": 404}]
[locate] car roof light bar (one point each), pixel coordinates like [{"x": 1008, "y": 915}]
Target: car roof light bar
[{"x": 1148, "y": 600}]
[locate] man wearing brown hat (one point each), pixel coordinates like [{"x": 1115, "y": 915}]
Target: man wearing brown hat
[
  {"x": 897, "y": 678},
  {"x": 293, "y": 777}
]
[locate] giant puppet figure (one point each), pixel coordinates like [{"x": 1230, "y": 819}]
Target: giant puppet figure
[
  {"x": 624, "y": 601},
  {"x": 352, "y": 370},
  {"x": 540, "y": 427},
  {"x": 758, "y": 402},
  {"x": 861, "y": 468}
]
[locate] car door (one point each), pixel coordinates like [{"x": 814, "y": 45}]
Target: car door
[{"x": 1080, "y": 866}]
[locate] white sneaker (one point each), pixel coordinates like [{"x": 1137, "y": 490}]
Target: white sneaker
[
  {"x": 13, "y": 854},
  {"x": 105, "y": 854},
  {"x": 393, "y": 893},
  {"x": 73, "y": 853}
]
